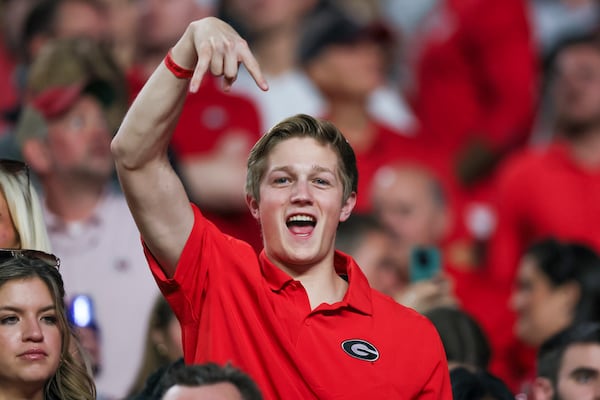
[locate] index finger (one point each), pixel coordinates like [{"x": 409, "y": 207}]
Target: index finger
[{"x": 247, "y": 58}]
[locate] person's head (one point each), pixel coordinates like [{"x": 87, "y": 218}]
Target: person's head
[
  {"x": 207, "y": 381},
  {"x": 263, "y": 19},
  {"x": 53, "y": 19},
  {"x": 35, "y": 335},
  {"x": 464, "y": 341},
  {"x": 411, "y": 202},
  {"x": 335, "y": 49},
  {"x": 21, "y": 221},
  {"x": 162, "y": 22},
  {"x": 576, "y": 85},
  {"x": 569, "y": 369},
  {"x": 301, "y": 182},
  {"x": 557, "y": 284},
  {"x": 370, "y": 244},
  {"x": 163, "y": 342},
  {"x": 478, "y": 385},
  {"x": 72, "y": 104}
]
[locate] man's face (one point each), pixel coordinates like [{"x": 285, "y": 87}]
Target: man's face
[
  {"x": 404, "y": 202},
  {"x": 577, "y": 86},
  {"x": 266, "y": 16},
  {"x": 579, "y": 374},
  {"x": 301, "y": 203},
  {"x": 79, "y": 141},
  {"x": 335, "y": 69}
]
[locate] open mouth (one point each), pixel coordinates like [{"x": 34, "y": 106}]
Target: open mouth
[{"x": 301, "y": 224}]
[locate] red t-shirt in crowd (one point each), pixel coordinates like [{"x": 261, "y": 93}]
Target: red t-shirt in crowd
[
  {"x": 541, "y": 193},
  {"x": 235, "y": 306},
  {"x": 475, "y": 72}
]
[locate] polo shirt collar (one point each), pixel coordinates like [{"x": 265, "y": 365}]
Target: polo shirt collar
[{"x": 358, "y": 295}]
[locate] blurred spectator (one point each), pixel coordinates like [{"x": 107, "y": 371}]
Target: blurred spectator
[
  {"x": 162, "y": 344},
  {"x": 212, "y": 165},
  {"x": 555, "y": 190},
  {"x": 12, "y": 17},
  {"x": 412, "y": 202},
  {"x": 272, "y": 29},
  {"x": 123, "y": 22},
  {"x": 473, "y": 64},
  {"x": 65, "y": 137},
  {"x": 346, "y": 63},
  {"x": 477, "y": 385},
  {"x": 208, "y": 381},
  {"x": 466, "y": 344},
  {"x": 370, "y": 244},
  {"x": 557, "y": 285},
  {"x": 53, "y": 19},
  {"x": 569, "y": 369},
  {"x": 21, "y": 221},
  {"x": 554, "y": 20}
]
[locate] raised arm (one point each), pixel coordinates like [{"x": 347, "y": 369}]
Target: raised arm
[{"x": 154, "y": 192}]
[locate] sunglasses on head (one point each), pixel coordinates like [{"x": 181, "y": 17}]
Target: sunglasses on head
[
  {"x": 14, "y": 167},
  {"x": 13, "y": 254}
]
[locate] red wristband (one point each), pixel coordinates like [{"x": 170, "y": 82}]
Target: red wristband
[{"x": 177, "y": 70}]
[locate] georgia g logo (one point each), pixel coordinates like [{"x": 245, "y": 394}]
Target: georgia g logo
[{"x": 360, "y": 349}]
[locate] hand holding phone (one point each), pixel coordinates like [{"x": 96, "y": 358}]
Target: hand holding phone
[{"x": 425, "y": 263}]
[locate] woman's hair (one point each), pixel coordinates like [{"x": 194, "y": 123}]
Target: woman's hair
[
  {"x": 24, "y": 207},
  {"x": 564, "y": 263},
  {"x": 479, "y": 385},
  {"x": 71, "y": 380},
  {"x": 463, "y": 339},
  {"x": 302, "y": 126},
  {"x": 160, "y": 318}
]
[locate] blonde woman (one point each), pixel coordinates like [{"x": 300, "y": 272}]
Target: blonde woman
[{"x": 21, "y": 221}]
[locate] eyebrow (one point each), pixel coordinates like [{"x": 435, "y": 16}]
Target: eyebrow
[
  {"x": 18, "y": 309},
  {"x": 317, "y": 168},
  {"x": 588, "y": 370}
]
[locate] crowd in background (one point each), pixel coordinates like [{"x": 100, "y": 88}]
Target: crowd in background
[{"x": 475, "y": 124}]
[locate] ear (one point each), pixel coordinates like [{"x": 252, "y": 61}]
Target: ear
[
  {"x": 542, "y": 389},
  {"x": 571, "y": 294},
  {"x": 36, "y": 155},
  {"x": 253, "y": 206},
  {"x": 347, "y": 207}
]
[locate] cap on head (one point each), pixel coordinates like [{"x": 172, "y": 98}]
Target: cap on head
[
  {"x": 330, "y": 25},
  {"x": 63, "y": 71}
]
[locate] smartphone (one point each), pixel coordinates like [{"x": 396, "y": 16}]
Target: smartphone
[
  {"x": 425, "y": 263},
  {"x": 81, "y": 311}
]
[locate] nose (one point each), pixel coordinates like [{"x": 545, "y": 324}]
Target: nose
[
  {"x": 301, "y": 192},
  {"x": 32, "y": 331}
]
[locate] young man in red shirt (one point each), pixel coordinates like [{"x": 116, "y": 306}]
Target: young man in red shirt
[{"x": 300, "y": 318}]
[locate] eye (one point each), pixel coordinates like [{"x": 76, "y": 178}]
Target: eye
[
  {"x": 584, "y": 376},
  {"x": 76, "y": 123},
  {"x": 321, "y": 182},
  {"x": 49, "y": 319},
  {"x": 9, "y": 320},
  {"x": 281, "y": 180}
]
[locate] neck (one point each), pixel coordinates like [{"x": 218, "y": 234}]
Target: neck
[
  {"x": 321, "y": 282},
  {"x": 353, "y": 120},
  {"x": 73, "y": 201},
  {"x": 585, "y": 150}
]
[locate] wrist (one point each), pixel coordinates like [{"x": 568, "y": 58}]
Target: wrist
[{"x": 177, "y": 69}]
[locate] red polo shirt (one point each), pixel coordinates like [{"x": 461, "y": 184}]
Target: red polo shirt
[{"x": 236, "y": 306}]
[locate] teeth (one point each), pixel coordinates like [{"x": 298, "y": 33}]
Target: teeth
[{"x": 301, "y": 218}]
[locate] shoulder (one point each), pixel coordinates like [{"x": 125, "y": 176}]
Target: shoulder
[{"x": 400, "y": 317}]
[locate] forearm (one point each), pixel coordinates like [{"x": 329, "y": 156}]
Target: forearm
[{"x": 146, "y": 130}]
